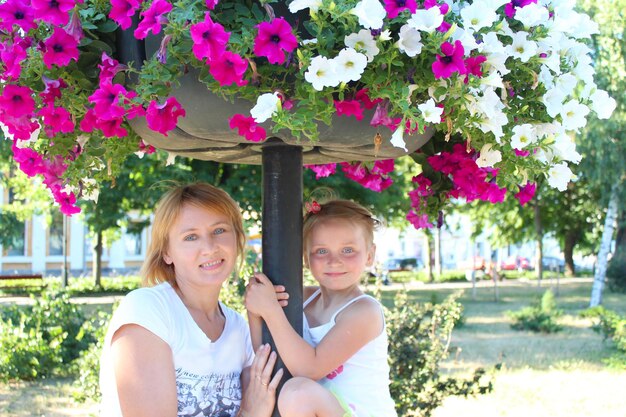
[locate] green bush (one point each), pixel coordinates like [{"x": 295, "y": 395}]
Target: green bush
[
  {"x": 419, "y": 338},
  {"x": 616, "y": 272},
  {"x": 541, "y": 317},
  {"x": 613, "y": 327}
]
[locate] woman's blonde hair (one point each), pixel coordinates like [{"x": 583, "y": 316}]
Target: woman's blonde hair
[
  {"x": 339, "y": 209},
  {"x": 202, "y": 195}
]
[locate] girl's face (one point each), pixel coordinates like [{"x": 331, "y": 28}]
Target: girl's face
[
  {"x": 339, "y": 253},
  {"x": 202, "y": 247}
]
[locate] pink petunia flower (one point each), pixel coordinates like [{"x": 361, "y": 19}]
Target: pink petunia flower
[
  {"x": 474, "y": 66},
  {"x": 89, "y": 122},
  {"x": 364, "y": 98},
  {"x": 383, "y": 167},
  {"x": 512, "y": 7},
  {"x": 274, "y": 39},
  {"x": 17, "y": 101},
  {"x": 210, "y": 4},
  {"x": 163, "y": 117},
  {"x": 21, "y": 128},
  {"x": 493, "y": 193},
  {"x": 55, "y": 12},
  {"x": 451, "y": 61},
  {"x": 56, "y": 119},
  {"x": 60, "y": 49},
  {"x": 52, "y": 90},
  {"x": 122, "y": 12},
  {"x": 107, "y": 99},
  {"x": 322, "y": 170},
  {"x": 67, "y": 202},
  {"x": 394, "y": 7},
  {"x": 12, "y": 55},
  {"x": 75, "y": 28},
  {"x": 526, "y": 193},
  {"x": 112, "y": 128},
  {"x": 349, "y": 108},
  {"x": 108, "y": 68},
  {"x": 153, "y": 18},
  {"x": 228, "y": 69},
  {"x": 419, "y": 221},
  {"x": 521, "y": 152},
  {"x": 17, "y": 12},
  {"x": 209, "y": 39},
  {"x": 381, "y": 116},
  {"x": 29, "y": 161},
  {"x": 247, "y": 127}
]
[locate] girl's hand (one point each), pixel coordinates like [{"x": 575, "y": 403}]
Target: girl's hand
[
  {"x": 262, "y": 297},
  {"x": 259, "y": 396}
]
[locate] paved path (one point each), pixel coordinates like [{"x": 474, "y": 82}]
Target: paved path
[{"x": 109, "y": 299}]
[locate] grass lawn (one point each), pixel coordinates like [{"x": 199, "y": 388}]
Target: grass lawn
[{"x": 558, "y": 375}]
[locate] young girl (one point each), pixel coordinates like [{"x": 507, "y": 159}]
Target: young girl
[
  {"x": 173, "y": 348},
  {"x": 345, "y": 343}
]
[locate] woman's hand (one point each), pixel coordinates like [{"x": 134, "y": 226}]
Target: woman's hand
[{"x": 259, "y": 396}]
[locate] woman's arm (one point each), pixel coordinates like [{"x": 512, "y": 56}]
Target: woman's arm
[
  {"x": 355, "y": 327},
  {"x": 259, "y": 388},
  {"x": 144, "y": 373}
]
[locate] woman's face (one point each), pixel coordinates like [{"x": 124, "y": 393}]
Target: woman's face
[{"x": 202, "y": 247}]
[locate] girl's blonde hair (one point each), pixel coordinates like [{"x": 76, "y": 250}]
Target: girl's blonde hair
[
  {"x": 339, "y": 209},
  {"x": 202, "y": 195}
]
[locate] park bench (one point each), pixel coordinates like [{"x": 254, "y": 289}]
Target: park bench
[{"x": 24, "y": 276}]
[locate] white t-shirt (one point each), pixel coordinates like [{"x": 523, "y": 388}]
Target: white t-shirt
[{"x": 207, "y": 373}]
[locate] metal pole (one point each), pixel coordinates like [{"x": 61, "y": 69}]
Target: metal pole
[
  {"x": 282, "y": 227},
  {"x": 65, "y": 274}
]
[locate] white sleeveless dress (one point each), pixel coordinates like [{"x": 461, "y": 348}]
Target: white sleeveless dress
[{"x": 361, "y": 384}]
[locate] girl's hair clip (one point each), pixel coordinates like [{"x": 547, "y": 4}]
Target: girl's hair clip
[{"x": 312, "y": 207}]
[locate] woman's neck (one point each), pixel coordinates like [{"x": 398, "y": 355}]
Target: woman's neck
[{"x": 201, "y": 300}]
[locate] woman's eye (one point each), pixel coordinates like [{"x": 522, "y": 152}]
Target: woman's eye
[
  {"x": 348, "y": 250},
  {"x": 219, "y": 231},
  {"x": 190, "y": 238},
  {"x": 321, "y": 251}
]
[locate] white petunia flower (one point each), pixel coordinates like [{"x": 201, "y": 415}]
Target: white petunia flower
[
  {"x": 297, "y": 5},
  {"x": 546, "y": 78},
  {"x": 266, "y": 106},
  {"x": 90, "y": 183},
  {"x": 559, "y": 175},
  {"x": 430, "y": 111},
  {"x": 565, "y": 148},
  {"x": 370, "y": 13},
  {"x": 478, "y": 15},
  {"x": 171, "y": 158},
  {"x": 349, "y": 65},
  {"x": 397, "y": 139},
  {"x": 410, "y": 41},
  {"x": 385, "y": 35},
  {"x": 364, "y": 42},
  {"x": 492, "y": 45},
  {"x": 488, "y": 157},
  {"x": 553, "y": 100},
  {"x": 493, "y": 80},
  {"x": 523, "y": 135},
  {"x": 566, "y": 83},
  {"x": 426, "y": 20},
  {"x": 497, "y": 62},
  {"x": 573, "y": 115},
  {"x": 494, "y": 124},
  {"x": 522, "y": 48},
  {"x": 321, "y": 73},
  {"x": 603, "y": 104},
  {"x": 489, "y": 103},
  {"x": 467, "y": 38},
  {"x": 532, "y": 15}
]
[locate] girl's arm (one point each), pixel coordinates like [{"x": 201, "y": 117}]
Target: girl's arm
[
  {"x": 355, "y": 327},
  {"x": 144, "y": 373},
  {"x": 255, "y": 322}
]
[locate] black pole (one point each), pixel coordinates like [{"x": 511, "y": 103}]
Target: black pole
[{"x": 282, "y": 227}]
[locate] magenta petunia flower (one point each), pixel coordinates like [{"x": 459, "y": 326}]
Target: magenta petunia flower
[
  {"x": 60, "y": 49},
  {"x": 52, "y": 90},
  {"x": 394, "y": 7},
  {"x": 209, "y": 39},
  {"x": 492, "y": 192},
  {"x": 274, "y": 39},
  {"x": 210, "y": 4},
  {"x": 89, "y": 122},
  {"x": 228, "y": 69},
  {"x": 419, "y": 221},
  {"x": 12, "y": 55},
  {"x": 75, "y": 27},
  {"x": 247, "y": 127},
  {"x": 29, "y": 161},
  {"x": 107, "y": 99},
  {"x": 511, "y": 8},
  {"x": 17, "y": 101},
  {"x": 384, "y": 166},
  {"x": 521, "y": 152},
  {"x": 163, "y": 117},
  {"x": 67, "y": 202},
  {"x": 349, "y": 108},
  {"x": 363, "y": 96},
  {"x": 526, "y": 193},
  {"x": 381, "y": 116},
  {"x": 17, "y": 12},
  {"x": 122, "y": 12},
  {"x": 322, "y": 170},
  {"x": 112, "y": 128},
  {"x": 108, "y": 68},
  {"x": 474, "y": 66},
  {"x": 20, "y": 128},
  {"x": 56, "y": 119},
  {"x": 450, "y": 62},
  {"x": 55, "y": 12},
  {"x": 153, "y": 18}
]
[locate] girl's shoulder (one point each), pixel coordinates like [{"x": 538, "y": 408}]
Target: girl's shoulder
[
  {"x": 309, "y": 291},
  {"x": 363, "y": 309}
]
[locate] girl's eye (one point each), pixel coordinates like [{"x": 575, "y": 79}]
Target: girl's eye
[
  {"x": 190, "y": 238},
  {"x": 321, "y": 251},
  {"x": 219, "y": 231},
  {"x": 348, "y": 250}
]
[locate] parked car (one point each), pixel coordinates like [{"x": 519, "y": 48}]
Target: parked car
[
  {"x": 516, "y": 263},
  {"x": 477, "y": 263},
  {"x": 402, "y": 264},
  {"x": 552, "y": 263}
]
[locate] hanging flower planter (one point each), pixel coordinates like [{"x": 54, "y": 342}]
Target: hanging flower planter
[{"x": 501, "y": 86}]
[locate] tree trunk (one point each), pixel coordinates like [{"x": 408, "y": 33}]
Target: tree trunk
[
  {"x": 97, "y": 261},
  {"x": 605, "y": 247},
  {"x": 571, "y": 239},
  {"x": 539, "y": 241},
  {"x": 429, "y": 256}
]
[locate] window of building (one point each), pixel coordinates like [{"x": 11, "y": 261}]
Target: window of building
[
  {"x": 132, "y": 244},
  {"x": 55, "y": 234},
  {"x": 17, "y": 247}
]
